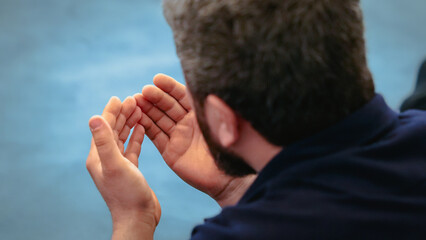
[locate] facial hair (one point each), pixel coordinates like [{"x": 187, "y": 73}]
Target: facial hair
[{"x": 225, "y": 160}]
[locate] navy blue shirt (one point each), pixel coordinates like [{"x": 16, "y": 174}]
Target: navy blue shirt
[{"x": 364, "y": 178}]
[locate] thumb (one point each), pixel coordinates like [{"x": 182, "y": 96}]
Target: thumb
[{"x": 104, "y": 141}]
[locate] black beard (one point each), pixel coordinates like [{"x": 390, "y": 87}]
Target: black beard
[{"x": 225, "y": 160}]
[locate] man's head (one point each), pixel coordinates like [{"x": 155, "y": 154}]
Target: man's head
[{"x": 290, "y": 68}]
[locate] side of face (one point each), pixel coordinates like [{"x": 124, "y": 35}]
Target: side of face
[{"x": 219, "y": 125}]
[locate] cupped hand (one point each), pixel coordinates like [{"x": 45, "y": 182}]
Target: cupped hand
[
  {"x": 170, "y": 123},
  {"x": 115, "y": 169}
]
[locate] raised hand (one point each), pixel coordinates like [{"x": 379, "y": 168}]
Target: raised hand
[
  {"x": 134, "y": 207},
  {"x": 170, "y": 123}
]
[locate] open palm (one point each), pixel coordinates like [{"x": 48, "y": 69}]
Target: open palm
[{"x": 171, "y": 124}]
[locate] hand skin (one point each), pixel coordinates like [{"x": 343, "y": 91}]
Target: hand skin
[
  {"x": 170, "y": 123},
  {"x": 134, "y": 208}
]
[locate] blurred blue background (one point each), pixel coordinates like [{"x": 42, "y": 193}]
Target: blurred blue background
[{"x": 60, "y": 61}]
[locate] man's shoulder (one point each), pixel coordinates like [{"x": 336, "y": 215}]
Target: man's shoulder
[
  {"x": 319, "y": 211},
  {"x": 263, "y": 219}
]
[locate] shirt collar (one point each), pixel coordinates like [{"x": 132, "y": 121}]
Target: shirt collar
[{"x": 358, "y": 128}]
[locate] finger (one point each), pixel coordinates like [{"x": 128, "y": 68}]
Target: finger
[
  {"x": 130, "y": 123},
  {"x": 158, "y": 137},
  {"x": 106, "y": 146},
  {"x": 111, "y": 111},
  {"x": 158, "y": 117},
  {"x": 127, "y": 108},
  {"x": 135, "y": 143},
  {"x": 120, "y": 145},
  {"x": 164, "y": 102},
  {"x": 174, "y": 89}
]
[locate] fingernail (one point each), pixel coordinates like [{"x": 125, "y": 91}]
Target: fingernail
[{"x": 95, "y": 124}]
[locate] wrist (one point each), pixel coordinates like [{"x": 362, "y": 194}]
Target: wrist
[
  {"x": 235, "y": 189},
  {"x": 133, "y": 225}
]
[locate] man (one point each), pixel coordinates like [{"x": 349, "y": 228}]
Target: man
[{"x": 279, "y": 124}]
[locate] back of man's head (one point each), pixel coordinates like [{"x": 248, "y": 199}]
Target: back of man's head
[{"x": 289, "y": 67}]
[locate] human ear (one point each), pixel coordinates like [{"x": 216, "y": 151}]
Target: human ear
[{"x": 222, "y": 121}]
